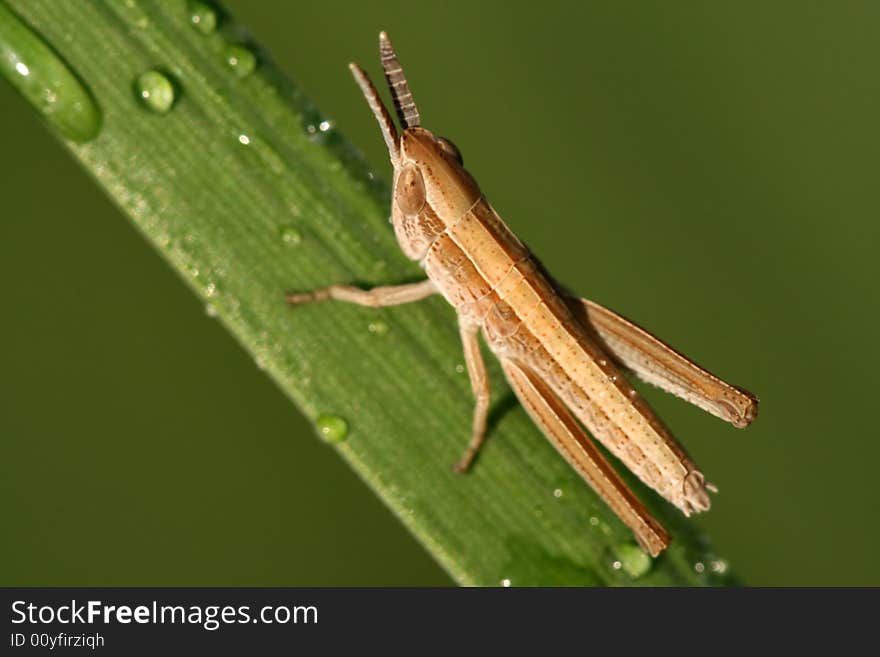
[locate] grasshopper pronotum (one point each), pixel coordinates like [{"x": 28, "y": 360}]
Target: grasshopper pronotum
[{"x": 561, "y": 355}]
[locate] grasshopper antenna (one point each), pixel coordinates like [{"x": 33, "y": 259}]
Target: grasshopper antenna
[
  {"x": 386, "y": 125},
  {"x": 406, "y": 108}
]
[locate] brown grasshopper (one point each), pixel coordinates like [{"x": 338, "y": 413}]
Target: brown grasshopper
[{"x": 561, "y": 355}]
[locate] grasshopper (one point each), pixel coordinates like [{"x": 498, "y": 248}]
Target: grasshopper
[{"x": 563, "y": 356}]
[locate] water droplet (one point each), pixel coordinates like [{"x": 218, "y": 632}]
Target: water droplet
[
  {"x": 241, "y": 60},
  {"x": 45, "y": 80},
  {"x": 155, "y": 91},
  {"x": 557, "y": 493},
  {"x": 594, "y": 521},
  {"x": 318, "y": 129},
  {"x": 244, "y": 139},
  {"x": 210, "y": 289},
  {"x": 459, "y": 368},
  {"x": 718, "y": 566},
  {"x": 202, "y": 17},
  {"x": 699, "y": 567},
  {"x": 631, "y": 559},
  {"x": 290, "y": 235},
  {"x": 378, "y": 327},
  {"x": 134, "y": 14},
  {"x": 505, "y": 583},
  {"x": 333, "y": 428}
]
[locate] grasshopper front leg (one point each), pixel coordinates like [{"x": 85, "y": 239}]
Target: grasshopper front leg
[
  {"x": 395, "y": 295},
  {"x": 377, "y": 297}
]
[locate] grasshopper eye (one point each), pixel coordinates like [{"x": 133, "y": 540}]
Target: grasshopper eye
[
  {"x": 409, "y": 192},
  {"x": 450, "y": 149}
]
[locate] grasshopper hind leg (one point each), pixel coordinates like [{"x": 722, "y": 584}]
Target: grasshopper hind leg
[{"x": 558, "y": 424}]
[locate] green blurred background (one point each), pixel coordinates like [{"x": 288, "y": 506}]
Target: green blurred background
[{"x": 708, "y": 169}]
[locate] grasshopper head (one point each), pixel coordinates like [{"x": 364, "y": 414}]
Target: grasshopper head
[
  {"x": 449, "y": 190},
  {"x": 431, "y": 187}
]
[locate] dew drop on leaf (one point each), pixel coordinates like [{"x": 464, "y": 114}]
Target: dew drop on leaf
[
  {"x": 718, "y": 566},
  {"x": 378, "y": 327},
  {"x": 46, "y": 81},
  {"x": 155, "y": 91},
  {"x": 631, "y": 559},
  {"x": 333, "y": 429},
  {"x": 202, "y": 17},
  {"x": 290, "y": 235},
  {"x": 241, "y": 60}
]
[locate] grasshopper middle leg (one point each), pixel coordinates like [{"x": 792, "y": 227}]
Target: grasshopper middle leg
[{"x": 480, "y": 385}]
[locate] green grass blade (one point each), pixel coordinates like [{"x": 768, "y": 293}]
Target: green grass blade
[{"x": 246, "y": 191}]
